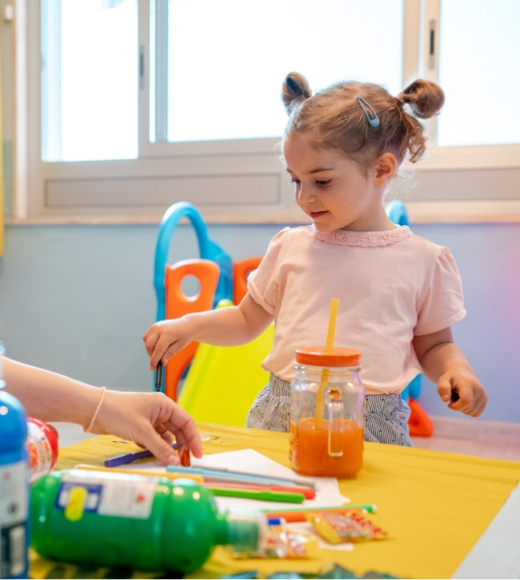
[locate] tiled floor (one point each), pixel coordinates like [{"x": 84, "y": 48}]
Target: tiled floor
[
  {"x": 491, "y": 449},
  {"x": 473, "y": 437},
  {"x": 479, "y": 438}
]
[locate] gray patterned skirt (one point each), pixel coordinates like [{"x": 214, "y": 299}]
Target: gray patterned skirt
[{"x": 386, "y": 416}]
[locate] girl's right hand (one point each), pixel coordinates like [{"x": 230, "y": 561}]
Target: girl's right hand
[{"x": 164, "y": 339}]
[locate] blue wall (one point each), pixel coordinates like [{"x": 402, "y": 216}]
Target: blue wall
[{"x": 76, "y": 299}]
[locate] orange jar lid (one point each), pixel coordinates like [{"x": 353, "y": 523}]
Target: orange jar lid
[{"x": 338, "y": 357}]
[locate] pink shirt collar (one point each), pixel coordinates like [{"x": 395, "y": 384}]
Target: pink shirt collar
[{"x": 367, "y": 239}]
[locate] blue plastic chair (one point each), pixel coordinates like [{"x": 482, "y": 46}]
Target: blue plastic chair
[{"x": 397, "y": 212}]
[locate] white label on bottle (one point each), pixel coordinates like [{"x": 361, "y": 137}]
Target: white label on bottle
[
  {"x": 114, "y": 495},
  {"x": 13, "y": 493},
  {"x": 13, "y": 517}
]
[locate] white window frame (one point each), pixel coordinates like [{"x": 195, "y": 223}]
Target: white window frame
[{"x": 235, "y": 180}]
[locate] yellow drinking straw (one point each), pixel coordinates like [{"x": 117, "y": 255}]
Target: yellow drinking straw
[{"x": 329, "y": 345}]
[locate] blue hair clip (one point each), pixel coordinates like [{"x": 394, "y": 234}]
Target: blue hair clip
[{"x": 370, "y": 114}]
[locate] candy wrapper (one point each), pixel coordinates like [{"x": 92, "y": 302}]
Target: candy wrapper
[
  {"x": 349, "y": 527},
  {"x": 276, "y": 541}
]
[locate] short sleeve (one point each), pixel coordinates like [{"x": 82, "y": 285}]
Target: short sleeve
[
  {"x": 262, "y": 283},
  {"x": 443, "y": 301}
]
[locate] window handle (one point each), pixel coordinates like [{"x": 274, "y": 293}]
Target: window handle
[
  {"x": 141, "y": 67},
  {"x": 432, "y": 47}
]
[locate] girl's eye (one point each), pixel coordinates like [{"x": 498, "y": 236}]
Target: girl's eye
[
  {"x": 323, "y": 182},
  {"x": 294, "y": 180}
]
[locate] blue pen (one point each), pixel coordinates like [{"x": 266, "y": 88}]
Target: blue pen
[
  {"x": 130, "y": 457},
  {"x": 214, "y": 474}
]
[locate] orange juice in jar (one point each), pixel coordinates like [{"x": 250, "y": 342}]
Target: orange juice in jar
[
  {"x": 309, "y": 452},
  {"x": 327, "y": 413}
]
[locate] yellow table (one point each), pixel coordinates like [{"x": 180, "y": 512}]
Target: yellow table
[{"x": 434, "y": 505}]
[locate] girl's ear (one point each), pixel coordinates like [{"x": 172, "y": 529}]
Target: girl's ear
[{"x": 385, "y": 168}]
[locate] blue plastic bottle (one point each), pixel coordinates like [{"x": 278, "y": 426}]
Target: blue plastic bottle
[{"x": 14, "y": 485}]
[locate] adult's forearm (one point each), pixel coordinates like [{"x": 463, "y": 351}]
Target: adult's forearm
[{"x": 48, "y": 395}]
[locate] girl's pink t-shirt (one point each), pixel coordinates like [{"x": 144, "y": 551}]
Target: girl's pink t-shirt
[{"x": 391, "y": 286}]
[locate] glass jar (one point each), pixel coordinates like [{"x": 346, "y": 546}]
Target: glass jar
[{"x": 327, "y": 413}]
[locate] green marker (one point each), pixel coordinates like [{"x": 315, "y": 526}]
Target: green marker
[{"x": 263, "y": 495}]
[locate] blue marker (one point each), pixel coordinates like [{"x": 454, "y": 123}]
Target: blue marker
[{"x": 130, "y": 457}]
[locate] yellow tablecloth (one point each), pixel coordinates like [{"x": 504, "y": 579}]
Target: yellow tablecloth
[{"x": 434, "y": 505}]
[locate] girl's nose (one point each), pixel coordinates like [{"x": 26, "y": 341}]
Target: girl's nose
[{"x": 304, "y": 194}]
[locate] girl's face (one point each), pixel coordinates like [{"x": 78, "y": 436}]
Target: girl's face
[{"x": 333, "y": 190}]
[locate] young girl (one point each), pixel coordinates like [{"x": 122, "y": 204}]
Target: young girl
[{"x": 399, "y": 293}]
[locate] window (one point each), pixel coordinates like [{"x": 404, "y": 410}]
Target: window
[
  {"x": 229, "y": 87},
  {"x": 479, "y": 46},
  {"x": 142, "y": 103},
  {"x": 207, "y": 82},
  {"x": 89, "y": 80}
]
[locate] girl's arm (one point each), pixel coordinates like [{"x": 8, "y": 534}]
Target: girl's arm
[
  {"x": 444, "y": 364},
  {"x": 152, "y": 420},
  {"x": 229, "y": 326}
]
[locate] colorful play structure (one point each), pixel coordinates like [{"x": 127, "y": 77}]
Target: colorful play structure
[{"x": 218, "y": 384}]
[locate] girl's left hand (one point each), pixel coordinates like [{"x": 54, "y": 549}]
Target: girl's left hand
[{"x": 464, "y": 393}]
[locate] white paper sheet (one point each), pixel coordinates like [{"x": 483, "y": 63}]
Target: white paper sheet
[{"x": 253, "y": 462}]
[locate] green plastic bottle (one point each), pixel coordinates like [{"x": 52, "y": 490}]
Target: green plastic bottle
[{"x": 145, "y": 523}]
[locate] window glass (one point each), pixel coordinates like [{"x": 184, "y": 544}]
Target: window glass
[
  {"x": 479, "y": 53},
  {"x": 89, "y": 79},
  {"x": 227, "y": 59}
]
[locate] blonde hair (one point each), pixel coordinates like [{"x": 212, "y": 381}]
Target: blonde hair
[{"x": 336, "y": 119}]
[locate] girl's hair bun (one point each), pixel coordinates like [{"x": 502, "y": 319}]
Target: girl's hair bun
[
  {"x": 425, "y": 98},
  {"x": 295, "y": 88}
]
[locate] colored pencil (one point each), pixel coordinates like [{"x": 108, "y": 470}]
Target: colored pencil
[
  {"x": 259, "y": 493},
  {"x": 127, "y": 458},
  {"x": 298, "y": 515},
  {"x": 213, "y": 472},
  {"x": 305, "y": 491},
  {"x": 144, "y": 472}
]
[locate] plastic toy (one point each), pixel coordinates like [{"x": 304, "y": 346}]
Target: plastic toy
[
  {"x": 208, "y": 250},
  {"x": 222, "y": 382},
  {"x": 178, "y": 304}
]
